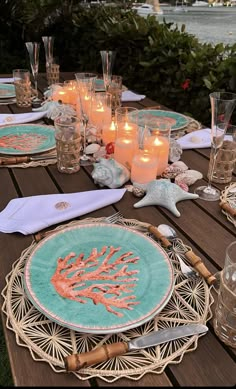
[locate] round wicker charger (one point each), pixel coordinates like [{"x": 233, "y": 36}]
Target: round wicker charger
[{"x": 47, "y": 341}]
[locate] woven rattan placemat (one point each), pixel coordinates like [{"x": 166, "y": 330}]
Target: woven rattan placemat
[{"x": 47, "y": 341}]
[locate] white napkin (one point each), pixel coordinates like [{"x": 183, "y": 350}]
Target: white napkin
[
  {"x": 31, "y": 214},
  {"x": 18, "y": 118},
  {"x": 7, "y": 80},
  {"x": 127, "y": 95},
  {"x": 199, "y": 139}
]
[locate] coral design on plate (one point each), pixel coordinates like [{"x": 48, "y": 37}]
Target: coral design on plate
[
  {"x": 72, "y": 281},
  {"x": 23, "y": 142}
]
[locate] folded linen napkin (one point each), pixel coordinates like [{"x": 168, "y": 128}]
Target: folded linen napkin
[
  {"x": 199, "y": 139},
  {"x": 32, "y": 214},
  {"x": 127, "y": 95},
  {"x": 18, "y": 118},
  {"x": 6, "y": 80}
]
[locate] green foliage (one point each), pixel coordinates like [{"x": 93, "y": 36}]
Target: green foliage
[{"x": 154, "y": 59}]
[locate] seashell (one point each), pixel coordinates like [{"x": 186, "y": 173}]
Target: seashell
[
  {"x": 189, "y": 177},
  {"x": 183, "y": 186},
  {"x": 92, "y": 148},
  {"x": 91, "y": 139},
  {"x": 181, "y": 165},
  {"x": 100, "y": 153},
  {"x": 171, "y": 171},
  {"x": 138, "y": 192},
  {"x": 109, "y": 172}
]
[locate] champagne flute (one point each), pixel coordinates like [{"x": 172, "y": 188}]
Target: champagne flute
[
  {"x": 48, "y": 42},
  {"x": 86, "y": 87},
  {"x": 108, "y": 58},
  {"x": 222, "y": 106},
  {"x": 33, "y": 50}
]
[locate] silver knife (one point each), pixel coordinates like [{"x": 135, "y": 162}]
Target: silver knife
[{"x": 76, "y": 362}]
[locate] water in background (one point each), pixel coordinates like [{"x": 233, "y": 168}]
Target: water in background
[{"x": 209, "y": 24}]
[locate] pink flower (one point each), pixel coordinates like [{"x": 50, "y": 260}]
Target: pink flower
[{"x": 185, "y": 84}]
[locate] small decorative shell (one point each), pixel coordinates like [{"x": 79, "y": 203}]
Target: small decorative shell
[
  {"x": 138, "y": 192},
  {"x": 109, "y": 172},
  {"x": 92, "y": 148},
  {"x": 183, "y": 186},
  {"x": 189, "y": 177},
  {"x": 181, "y": 165},
  {"x": 171, "y": 171}
]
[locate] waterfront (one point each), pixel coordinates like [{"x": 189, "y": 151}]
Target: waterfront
[{"x": 210, "y": 25}]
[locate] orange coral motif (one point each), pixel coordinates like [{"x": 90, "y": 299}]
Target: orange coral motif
[
  {"x": 70, "y": 279},
  {"x": 22, "y": 142}
]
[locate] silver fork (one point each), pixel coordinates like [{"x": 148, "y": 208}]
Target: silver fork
[{"x": 114, "y": 217}]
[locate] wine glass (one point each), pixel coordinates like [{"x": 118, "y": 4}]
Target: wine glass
[
  {"x": 108, "y": 58},
  {"x": 33, "y": 50},
  {"x": 222, "y": 106},
  {"x": 86, "y": 87}
]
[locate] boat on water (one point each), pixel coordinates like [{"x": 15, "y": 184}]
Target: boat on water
[
  {"x": 200, "y": 3},
  {"x": 148, "y": 9}
]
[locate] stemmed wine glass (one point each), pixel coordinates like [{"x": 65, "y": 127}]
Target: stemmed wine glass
[
  {"x": 222, "y": 106},
  {"x": 86, "y": 87},
  {"x": 33, "y": 50},
  {"x": 108, "y": 58}
]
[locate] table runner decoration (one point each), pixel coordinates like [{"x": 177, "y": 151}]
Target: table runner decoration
[
  {"x": 228, "y": 202},
  {"x": 49, "y": 342}
]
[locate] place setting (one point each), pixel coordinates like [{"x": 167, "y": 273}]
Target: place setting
[{"x": 116, "y": 293}]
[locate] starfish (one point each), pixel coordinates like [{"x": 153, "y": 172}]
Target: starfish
[{"x": 166, "y": 194}]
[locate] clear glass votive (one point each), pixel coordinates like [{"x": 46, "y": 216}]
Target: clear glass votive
[
  {"x": 68, "y": 143},
  {"x": 144, "y": 167},
  {"x": 22, "y": 87},
  {"x": 157, "y": 142}
]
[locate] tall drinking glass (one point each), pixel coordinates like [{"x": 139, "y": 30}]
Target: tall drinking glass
[
  {"x": 48, "y": 42},
  {"x": 33, "y": 50},
  {"x": 222, "y": 106},
  {"x": 86, "y": 87},
  {"x": 108, "y": 58}
]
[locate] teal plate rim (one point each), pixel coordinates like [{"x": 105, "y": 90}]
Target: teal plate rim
[
  {"x": 153, "y": 289},
  {"x": 181, "y": 120},
  {"x": 47, "y": 132},
  {"x": 10, "y": 88}
]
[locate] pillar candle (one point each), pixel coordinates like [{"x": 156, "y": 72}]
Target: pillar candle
[
  {"x": 109, "y": 133},
  {"x": 124, "y": 150},
  {"x": 144, "y": 167},
  {"x": 158, "y": 146}
]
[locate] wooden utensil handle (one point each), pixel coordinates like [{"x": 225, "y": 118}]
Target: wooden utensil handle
[
  {"x": 228, "y": 208},
  {"x": 166, "y": 243},
  {"x": 76, "y": 362},
  {"x": 200, "y": 267},
  {"x": 13, "y": 160}
]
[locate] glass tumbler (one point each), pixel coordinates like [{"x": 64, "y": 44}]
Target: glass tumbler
[
  {"x": 225, "y": 313},
  {"x": 68, "y": 143}
]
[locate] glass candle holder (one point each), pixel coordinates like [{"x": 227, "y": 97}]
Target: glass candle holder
[
  {"x": 144, "y": 167},
  {"x": 157, "y": 142},
  {"x": 101, "y": 111},
  {"x": 126, "y": 143}
]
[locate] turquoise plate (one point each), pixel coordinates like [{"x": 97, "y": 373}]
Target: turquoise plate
[
  {"x": 25, "y": 139},
  {"x": 7, "y": 90},
  {"x": 99, "y": 85},
  {"x": 176, "y": 120},
  {"x": 71, "y": 285}
]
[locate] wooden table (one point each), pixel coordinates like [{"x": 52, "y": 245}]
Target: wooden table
[{"x": 201, "y": 225}]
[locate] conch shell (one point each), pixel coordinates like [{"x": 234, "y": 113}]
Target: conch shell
[{"x": 109, "y": 172}]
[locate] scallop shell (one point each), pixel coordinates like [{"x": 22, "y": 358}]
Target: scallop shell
[
  {"x": 181, "y": 165},
  {"x": 171, "y": 171},
  {"x": 189, "y": 177},
  {"x": 92, "y": 148},
  {"x": 110, "y": 173},
  {"x": 183, "y": 186}
]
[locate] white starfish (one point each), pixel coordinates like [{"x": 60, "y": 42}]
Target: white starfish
[{"x": 166, "y": 194}]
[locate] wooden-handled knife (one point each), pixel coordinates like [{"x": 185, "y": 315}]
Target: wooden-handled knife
[{"x": 76, "y": 362}]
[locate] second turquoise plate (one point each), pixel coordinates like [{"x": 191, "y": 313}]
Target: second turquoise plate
[
  {"x": 7, "y": 91},
  {"x": 176, "y": 120}
]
